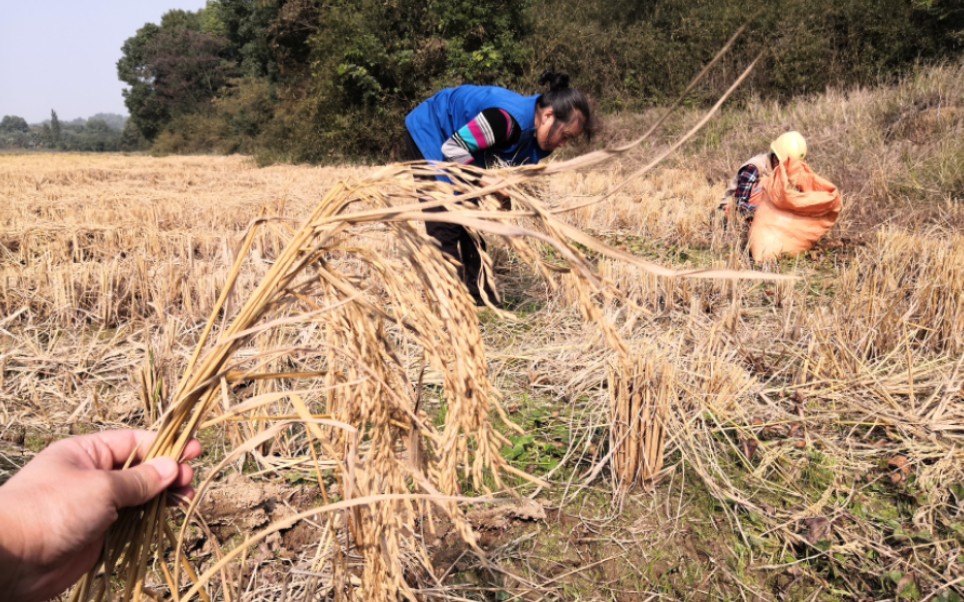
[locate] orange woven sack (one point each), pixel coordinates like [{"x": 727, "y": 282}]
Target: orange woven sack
[{"x": 797, "y": 209}]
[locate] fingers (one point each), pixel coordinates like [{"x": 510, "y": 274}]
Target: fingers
[
  {"x": 181, "y": 492},
  {"x": 110, "y": 450},
  {"x": 143, "y": 482},
  {"x": 185, "y": 475},
  {"x": 140, "y": 484},
  {"x": 192, "y": 451},
  {"x": 120, "y": 444}
]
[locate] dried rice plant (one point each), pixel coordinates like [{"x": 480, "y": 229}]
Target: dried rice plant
[
  {"x": 904, "y": 289},
  {"x": 859, "y": 397},
  {"x": 642, "y": 393}
]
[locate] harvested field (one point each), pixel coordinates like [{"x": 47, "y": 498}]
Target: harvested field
[{"x": 813, "y": 427}]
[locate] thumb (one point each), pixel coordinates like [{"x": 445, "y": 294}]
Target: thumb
[{"x": 142, "y": 483}]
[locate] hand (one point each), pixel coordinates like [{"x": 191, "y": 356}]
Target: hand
[{"x": 55, "y": 512}]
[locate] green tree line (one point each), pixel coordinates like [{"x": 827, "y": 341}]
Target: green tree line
[
  {"x": 306, "y": 80},
  {"x": 101, "y": 133}
]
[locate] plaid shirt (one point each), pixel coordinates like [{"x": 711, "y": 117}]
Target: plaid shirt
[{"x": 746, "y": 179}]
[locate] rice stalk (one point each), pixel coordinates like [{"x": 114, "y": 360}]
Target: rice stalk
[{"x": 642, "y": 390}]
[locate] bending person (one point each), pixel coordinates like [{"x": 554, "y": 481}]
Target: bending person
[{"x": 488, "y": 126}]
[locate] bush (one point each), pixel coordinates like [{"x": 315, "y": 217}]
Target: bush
[{"x": 191, "y": 134}]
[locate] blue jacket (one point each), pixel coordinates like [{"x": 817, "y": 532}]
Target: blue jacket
[{"x": 438, "y": 118}]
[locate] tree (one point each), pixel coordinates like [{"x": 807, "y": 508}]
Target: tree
[
  {"x": 95, "y": 135},
  {"x": 188, "y": 69},
  {"x": 44, "y": 137},
  {"x": 12, "y": 124},
  {"x": 172, "y": 69},
  {"x": 56, "y": 135},
  {"x": 15, "y": 133},
  {"x": 131, "y": 138},
  {"x": 246, "y": 25},
  {"x": 321, "y": 80},
  {"x": 113, "y": 120}
]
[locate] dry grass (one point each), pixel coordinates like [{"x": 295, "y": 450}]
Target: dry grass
[{"x": 822, "y": 418}]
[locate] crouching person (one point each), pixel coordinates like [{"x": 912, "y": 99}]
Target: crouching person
[
  {"x": 789, "y": 207},
  {"x": 796, "y": 208}
]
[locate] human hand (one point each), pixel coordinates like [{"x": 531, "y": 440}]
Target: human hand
[{"x": 55, "y": 512}]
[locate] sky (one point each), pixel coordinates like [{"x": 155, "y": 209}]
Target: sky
[{"x": 62, "y": 54}]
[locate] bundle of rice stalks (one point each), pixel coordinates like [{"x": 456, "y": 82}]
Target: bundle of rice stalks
[
  {"x": 363, "y": 318},
  {"x": 642, "y": 390}
]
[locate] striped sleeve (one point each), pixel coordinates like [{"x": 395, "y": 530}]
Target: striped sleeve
[{"x": 492, "y": 128}]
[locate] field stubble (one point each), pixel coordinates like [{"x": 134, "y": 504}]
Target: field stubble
[{"x": 814, "y": 439}]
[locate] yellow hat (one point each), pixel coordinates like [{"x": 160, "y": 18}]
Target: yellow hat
[{"x": 789, "y": 144}]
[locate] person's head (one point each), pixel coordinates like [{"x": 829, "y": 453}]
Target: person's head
[
  {"x": 786, "y": 145},
  {"x": 562, "y": 113}
]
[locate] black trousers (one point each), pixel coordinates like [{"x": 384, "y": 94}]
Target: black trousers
[{"x": 457, "y": 242}]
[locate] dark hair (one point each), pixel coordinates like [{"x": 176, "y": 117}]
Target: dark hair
[{"x": 564, "y": 100}]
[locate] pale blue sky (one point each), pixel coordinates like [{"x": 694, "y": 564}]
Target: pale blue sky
[{"x": 62, "y": 54}]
